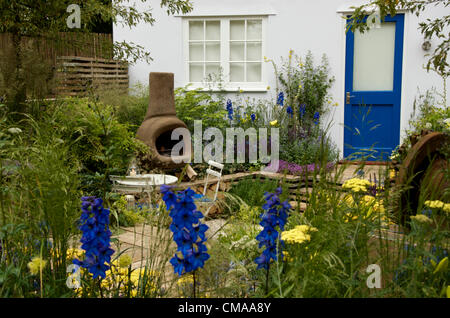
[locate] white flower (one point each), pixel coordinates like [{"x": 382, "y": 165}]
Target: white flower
[
  {"x": 428, "y": 126},
  {"x": 14, "y": 130}
]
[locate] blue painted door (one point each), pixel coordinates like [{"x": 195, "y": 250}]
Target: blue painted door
[{"x": 373, "y": 78}]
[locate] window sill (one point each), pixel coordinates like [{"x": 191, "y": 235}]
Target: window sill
[{"x": 244, "y": 88}]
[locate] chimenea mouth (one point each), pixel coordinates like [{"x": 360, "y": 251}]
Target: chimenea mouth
[{"x": 164, "y": 144}]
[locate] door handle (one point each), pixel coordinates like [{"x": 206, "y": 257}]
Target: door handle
[{"x": 347, "y": 97}]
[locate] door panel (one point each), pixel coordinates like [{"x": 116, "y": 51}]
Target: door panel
[{"x": 373, "y": 90}]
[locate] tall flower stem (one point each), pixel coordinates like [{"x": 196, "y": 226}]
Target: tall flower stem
[
  {"x": 40, "y": 271},
  {"x": 99, "y": 282},
  {"x": 194, "y": 283}
]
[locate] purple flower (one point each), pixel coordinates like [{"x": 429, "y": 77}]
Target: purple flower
[{"x": 295, "y": 169}]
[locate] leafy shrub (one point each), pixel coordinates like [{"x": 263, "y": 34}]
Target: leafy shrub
[
  {"x": 430, "y": 115},
  {"x": 307, "y": 150},
  {"x": 193, "y": 105},
  {"x": 125, "y": 215},
  {"x": 39, "y": 207},
  {"x": 129, "y": 109},
  {"x": 303, "y": 83},
  {"x": 99, "y": 141},
  {"x": 251, "y": 191}
]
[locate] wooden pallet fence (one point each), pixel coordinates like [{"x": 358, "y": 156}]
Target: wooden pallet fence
[
  {"x": 76, "y": 75},
  {"x": 96, "y": 45}
]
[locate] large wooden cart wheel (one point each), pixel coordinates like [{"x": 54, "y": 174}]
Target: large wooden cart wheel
[{"x": 422, "y": 174}]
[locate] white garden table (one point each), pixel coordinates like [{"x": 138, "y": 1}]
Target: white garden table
[{"x": 140, "y": 183}]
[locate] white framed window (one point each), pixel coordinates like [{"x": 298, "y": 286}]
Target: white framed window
[{"x": 232, "y": 47}]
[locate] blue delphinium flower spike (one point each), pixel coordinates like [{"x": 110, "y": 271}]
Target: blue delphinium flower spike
[
  {"x": 94, "y": 223},
  {"x": 280, "y": 99},
  {"x": 290, "y": 111},
  {"x": 316, "y": 118},
  {"x": 230, "y": 109},
  {"x": 188, "y": 232},
  {"x": 273, "y": 219}
]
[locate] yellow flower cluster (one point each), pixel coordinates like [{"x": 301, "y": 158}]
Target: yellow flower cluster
[
  {"x": 368, "y": 204},
  {"x": 298, "y": 234},
  {"x": 71, "y": 253},
  {"x": 374, "y": 204},
  {"x": 36, "y": 265},
  {"x": 421, "y": 218},
  {"x": 357, "y": 185},
  {"x": 273, "y": 123},
  {"x": 186, "y": 279},
  {"x": 119, "y": 277},
  {"x": 287, "y": 256},
  {"x": 436, "y": 204},
  {"x": 75, "y": 253},
  {"x": 392, "y": 174}
]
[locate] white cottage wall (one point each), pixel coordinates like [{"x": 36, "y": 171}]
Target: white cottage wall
[{"x": 299, "y": 25}]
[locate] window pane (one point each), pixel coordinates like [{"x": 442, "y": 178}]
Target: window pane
[
  {"x": 195, "y": 30},
  {"x": 237, "y": 51},
  {"x": 196, "y": 51},
  {"x": 212, "y": 69},
  {"x": 212, "y": 30},
  {"x": 237, "y": 72},
  {"x": 253, "y": 72},
  {"x": 213, "y": 51},
  {"x": 195, "y": 72},
  {"x": 254, "y": 51},
  {"x": 373, "y": 68},
  {"x": 254, "y": 29},
  {"x": 237, "y": 30}
]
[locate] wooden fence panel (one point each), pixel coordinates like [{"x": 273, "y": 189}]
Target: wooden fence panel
[
  {"x": 96, "y": 45},
  {"x": 75, "y": 75},
  {"x": 81, "y": 60}
]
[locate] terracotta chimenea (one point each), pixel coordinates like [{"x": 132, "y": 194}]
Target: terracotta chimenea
[{"x": 160, "y": 121}]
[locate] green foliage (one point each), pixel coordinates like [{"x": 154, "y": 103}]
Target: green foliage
[
  {"x": 428, "y": 114},
  {"x": 232, "y": 255},
  {"x": 129, "y": 109},
  {"x": 45, "y": 20},
  {"x": 304, "y": 83},
  {"x": 39, "y": 207},
  {"x": 307, "y": 150},
  {"x": 127, "y": 216},
  {"x": 193, "y": 105},
  {"x": 251, "y": 191},
  {"x": 101, "y": 144},
  {"x": 35, "y": 74},
  {"x": 27, "y": 19}
]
